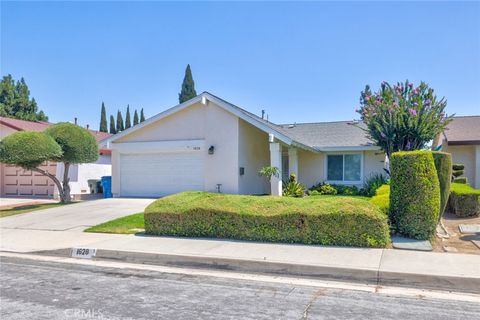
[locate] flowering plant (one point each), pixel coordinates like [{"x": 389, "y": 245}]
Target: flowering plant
[{"x": 402, "y": 117}]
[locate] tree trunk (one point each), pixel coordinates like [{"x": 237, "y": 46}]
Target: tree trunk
[
  {"x": 63, "y": 189},
  {"x": 65, "y": 183}
]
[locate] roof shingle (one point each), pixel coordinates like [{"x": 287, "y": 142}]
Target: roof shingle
[
  {"x": 463, "y": 130},
  {"x": 329, "y": 134}
]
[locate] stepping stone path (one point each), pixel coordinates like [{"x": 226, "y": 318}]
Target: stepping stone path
[
  {"x": 469, "y": 228},
  {"x": 411, "y": 244}
]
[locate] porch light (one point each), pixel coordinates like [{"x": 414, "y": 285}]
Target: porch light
[{"x": 211, "y": 150}]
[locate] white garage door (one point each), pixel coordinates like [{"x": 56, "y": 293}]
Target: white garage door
[{"x": 159, "y": 174}]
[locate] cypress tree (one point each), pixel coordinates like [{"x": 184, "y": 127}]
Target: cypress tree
[
  {"x": 103, "y": 119},
  {"x": 112, "y": 125},
  {"x": 128, "y": 122},
  {"x": 120, "y": 125},
  {"x": 188, "y": 87},
  {"x": 142, "y": 116},
  {"x": 135, "y": 118}
]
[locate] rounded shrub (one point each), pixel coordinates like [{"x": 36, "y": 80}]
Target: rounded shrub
[
  {"x": 414, "y": 194},
  {"x": 464, "y": 200},
  {"x": 327, "y": 189},
  {"x": 78, "y": 145},
  {"x": 443, "y": 165},
  {"x": 28, "y": 149}
]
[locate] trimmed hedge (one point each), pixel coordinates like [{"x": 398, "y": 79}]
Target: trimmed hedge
[
  {"x": 464, "y": 200},
  {"x": 462, "y": 180},
  {"x": 382, "y": 198},
  {"x": 77, "y": 143},
  {"x": 458, "y": 166},
  {"x": 443, "y": 165},
  {"x": 414, "y": 194},
  {"x": 28, "y": 149},
  {"x": 327, "y": 220}
]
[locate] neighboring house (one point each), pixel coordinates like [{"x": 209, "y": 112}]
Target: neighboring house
[
  {"x": 17, "y": 182},
  {"x": 462, "y": 140},
  {"x": 209, "y": 144}
]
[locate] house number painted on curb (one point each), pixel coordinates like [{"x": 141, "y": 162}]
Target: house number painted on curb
[{"x": 85, "y": 253}]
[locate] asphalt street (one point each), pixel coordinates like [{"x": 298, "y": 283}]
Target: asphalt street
[{"x": 51, "y": 290}]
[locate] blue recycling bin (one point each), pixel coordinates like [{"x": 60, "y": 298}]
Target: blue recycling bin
[{"x": 107, "y": 186}]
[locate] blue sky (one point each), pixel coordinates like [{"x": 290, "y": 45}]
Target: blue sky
[{"x": 302, "y": 62}]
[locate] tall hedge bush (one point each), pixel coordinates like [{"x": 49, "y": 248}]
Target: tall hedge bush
[
  {"x": 415, "y": 194},
  {"x": 443, "y": 164}
]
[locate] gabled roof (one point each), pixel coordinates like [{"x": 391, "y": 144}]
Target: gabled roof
[
  {"x": 463, "y": 131},
  {"x": 316, "y": 137},
  {"x": 39, "y": 126}
]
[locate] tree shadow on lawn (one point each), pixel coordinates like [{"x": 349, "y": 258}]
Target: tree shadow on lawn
[{"x": 28, "y": 208}]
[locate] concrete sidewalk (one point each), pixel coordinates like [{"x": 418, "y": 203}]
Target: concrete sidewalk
[{"x": 446, "y": 271}]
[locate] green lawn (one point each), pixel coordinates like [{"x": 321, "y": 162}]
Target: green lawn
[
  {"x": 28, "y": 208},
  {"x": 125, "y": 225}
]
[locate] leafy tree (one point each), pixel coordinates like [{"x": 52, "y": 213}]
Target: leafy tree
[
  {"x": 188, "y": 87},
  {"x": 62, "y": 142},
  {"x": 112, "y": 125},
  {"x": 103, "y": 119},
  {"x": 135, "y": 118},
  {"x": 15, "y": 101},
  {"x": 128, "y": 122},
  {"x": 120, "y": 126},
  {"x": 142, "y": 116},
  {"x": 402, "y": 117}
]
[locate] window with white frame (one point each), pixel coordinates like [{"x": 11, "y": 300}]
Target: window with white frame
[{"x": 344, "y": 167}]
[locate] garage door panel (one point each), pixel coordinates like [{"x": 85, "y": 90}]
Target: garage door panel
[
  {"x": 161, "y": 174},
  {"x": 19, "y": 182}
]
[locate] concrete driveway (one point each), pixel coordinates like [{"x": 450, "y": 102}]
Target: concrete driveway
[{"x": 76, "y": 217}]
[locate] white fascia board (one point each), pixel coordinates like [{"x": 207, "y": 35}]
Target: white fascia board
[
  {"x": 174, "y": 146},
  {"x": 155, "y": 118},
  {"x": 354, "y": 148},
  {"x": 260, "y": 125}
]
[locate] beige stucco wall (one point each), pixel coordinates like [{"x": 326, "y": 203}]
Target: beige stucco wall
[
  {"x": 373, "y": 163},
  {"x": 183, "y": 125},
  {"x": 221, "y": 131},
  {"x": 311, "y": 166},
  {"x": 214, "y": 125},
  {"x": 253, "y": 154},
  {"x": 465, "y": 155}
]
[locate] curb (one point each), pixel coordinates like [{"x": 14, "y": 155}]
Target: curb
[{"x": 358, "y": 275}]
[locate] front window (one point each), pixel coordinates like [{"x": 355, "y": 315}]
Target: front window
[{"x": 344, "y": 167}]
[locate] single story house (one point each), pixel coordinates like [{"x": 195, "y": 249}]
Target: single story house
[
  {"x": 209, "y": 144},
  {"x": 17, "y": 182},
  {"x": 462, "y": 139}
]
